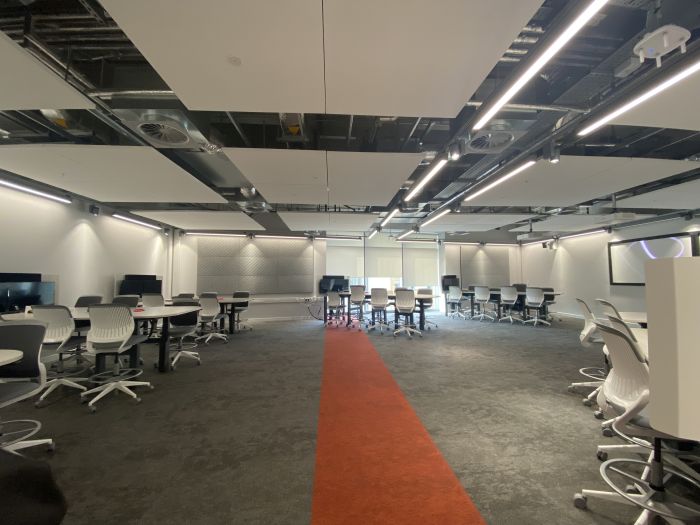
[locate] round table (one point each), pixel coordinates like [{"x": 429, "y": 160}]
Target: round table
[{"x": 9, "y": 356}]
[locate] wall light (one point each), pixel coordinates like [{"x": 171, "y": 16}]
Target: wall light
[
  {"x": 38, "y": 193},
  {"x": 134, "y": 221},
  {"x": 580, "y": 21},
  {"x": 434, "y": 171},
  {"x": 436, "y": 217},
  {"x": 505, "y": 177},
  {"x": 389, "y": 217}
]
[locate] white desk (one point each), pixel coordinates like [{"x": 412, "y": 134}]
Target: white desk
[{"x": 9, "y": 356}]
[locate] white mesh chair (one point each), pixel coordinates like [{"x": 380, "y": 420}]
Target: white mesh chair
[
  {"x": 58, "y": 339},
  {"x": 454, "y": 302},
  {"x": 609, "y": 309},
  {"x": 379, "y": 301},
  {"x": 182, "y": 327},
  {"x": 335, "y": 306},
  {"x": 626, "y": 392},
  {"x": 405, "y": 307},
  {"x": 152, "y": 300},
  {"x": 482, "y": 297},
  {"x": 357, "y": 300},
  {"x": 588, "y": 337},
  {"x": 427, "y": 304},
  {"x": 112, "y": 333},
  {"x": 509, "y": 296},
  {"x": 534, "y": 300},
  {"x": 210, "y": 317},
  {"x": 25, "y": 378}
]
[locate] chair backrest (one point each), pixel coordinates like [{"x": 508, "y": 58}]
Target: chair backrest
[
  {"x": 59, "y": 323},
  {"x": 482, "y": 293},
  {"x": 589, "y": 332},
  {"x": 184, "y": 296},
  {"x": 357, "y": 293},
  {"x": 520, "y": 287},
  {"x": 27, "y": 337},
  {"x": 188, "y": 319},
  {"x": 534, "y": 296},
  {"x": 608, "y": 308},
  {"x": 209, "y": 301},
  {"x": 628, "y": 378},
  {"x": 132, "y": 301},
  {"x": 110, "y": 325},
  {"x": 623, "y": 327},
  {"x": 333, "y": 299},
  {"x": 427, "y": 303},
  {"x": 405, "y": 301},
  {"x": 380, "y": 297},
  {"x": 87, "y": 300},
  {"x": 241, "y": 295},
  {"x": 509, "y": 294},
  {"x": 152, "y": 300},
  {"x": 454, "y": 293}
]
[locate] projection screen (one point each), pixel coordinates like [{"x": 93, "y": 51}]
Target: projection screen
[{"x": 627, "y": 258}]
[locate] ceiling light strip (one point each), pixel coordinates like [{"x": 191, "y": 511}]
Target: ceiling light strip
[
  {"x": 38, "y": 193},
  {"x": 537, "y": 242},
  {"x": 418, "y": 241},
  {"x": 571, "y": 31},
  {"x": 405, "y": 234},
  {"x": 434, "y": 171},
  {"x": 690, "y": 70},
  {"x": 495, "y": 183},
  {"x": 293, "y": 237},
  {"x": 212, "y": 234},
  {"x": 389, "y": 217},
  {"x": 374, "y": 232},
  {"x": 436, "y": 217},
  {"x": 594, "y": 232},
  {"x": 134, "y": 221}
]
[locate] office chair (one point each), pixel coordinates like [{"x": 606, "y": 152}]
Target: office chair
[
  {"x": 405, "y": 307},
  {"x": 427, "y": 304},
  {"x": 357, "y": 299},
  {"x": 626, "y": 391},
  {"x": 132, "y": 301},
  {"x": 210, "y": 316},
  {"x": 240, "y": 308},
  {"x": 379, "y": 301},
  {"x": 335, "y": 307},
  {"x": 181, "y": 327},
  {"x": 454, "y": 302},
  {"x": 589, "y": 336},
  {"x": 534, "y": 300},
  {"x": 509, "y": 296},
  {"x": 112, "y": 333},
  {"x": 26, "y": 378},
  {"x": 482, "y": 297},
  {"x": 58, "y": 339},
  {"x": 152, "y": 300},
  {"x": 83, "y": 302},
  {"x": 184, "y": 296}
]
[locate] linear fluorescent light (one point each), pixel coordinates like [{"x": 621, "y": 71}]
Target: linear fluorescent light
[
  {"x": 500, "y": 180},
  {"x": 500, "y": 244},
  {"x": 281, "y": 237},
  {"x": 418, "y": 241},
  {"x": 209, "y": 234},
  {"x": 436, "y": 217},
  {"x": 595, "y": 232},
  {"x": 389, "y": 217},
  {"x": 580, "y": 21},
  {"x": 338, "y": 238},
  {"x": 694, "y": 68},
  {"x": 537, "y": 242},
  {"x": 38, "y": 193},
  {"x": 462, "y": 243},
  {"x": 374, "y": 232},
  {"x": 434, "y": 171},
  {"x": 405, "y": 234},
  {"x": 134, "y": 221}
]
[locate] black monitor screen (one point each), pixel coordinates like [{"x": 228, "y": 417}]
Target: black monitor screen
[
  {"x": 333, "y": 283},
  {"x": 133, "y": 287},
  {"x": 16, "y": 296}
]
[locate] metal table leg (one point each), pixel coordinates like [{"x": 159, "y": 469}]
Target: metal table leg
[{"x": 163, "y": 350}]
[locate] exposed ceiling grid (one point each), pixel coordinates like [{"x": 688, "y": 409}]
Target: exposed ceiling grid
[
  {"x": 574, "y": 222},
  {"x": 336, "y": 222},
  {"x": 472, "y": 222},
  {"x": 203, "y": 220}
]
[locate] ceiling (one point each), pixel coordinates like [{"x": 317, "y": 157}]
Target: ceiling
[
  {"x": 320, "y": 115},
  {"x": 572, "y": 223}
]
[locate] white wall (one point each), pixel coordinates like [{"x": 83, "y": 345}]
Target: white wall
[
  {"x": 579, "y": 267},
  {"x": 83, "y": 253}
]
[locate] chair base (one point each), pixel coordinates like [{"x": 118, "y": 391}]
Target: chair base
[
  {"x": 208, "y": 337},
  {"x": 537, "y": 320},
  {"x": 114, "y": 386},
  {"x": 184, "y": 353},
  {"x": 53, "y": 384},
  {"x": 456, "y": 314},
  {"x": 483, "y": 316},
  {"x": 17, "y": 436},
  {"x": 408, "y": 329},
  {"x": 510, "y": 318}
]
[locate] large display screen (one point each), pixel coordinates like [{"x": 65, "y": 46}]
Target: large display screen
[
  {"x": 16, "y": 296},
  {"x": 627, "y": 258}
]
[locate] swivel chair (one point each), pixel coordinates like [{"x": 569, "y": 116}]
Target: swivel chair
[
  {"x": 152, "y": 300},
  {"x": 181, "y": 327},
  {"x": 132, "y": 301},
  {"x": 357, "y": 300},
  {"x": 509, "y": 296},
  {"x": 454, "y": 302},
  {"x": 240, "y": 308},
  {"x": 590, "y": 336},
  {"x": 335, "y": 307},
  {"x": 379, "y": 301},
  {"x": 482, "y": 297},
  {"x": 427, "y": 304},
  {"x": 534, "y": 300},
  {"x": 406, "y": 307},
  {"x": 210, "y": 317}
]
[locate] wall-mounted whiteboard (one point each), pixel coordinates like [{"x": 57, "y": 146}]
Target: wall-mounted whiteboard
[{"x": 627, "y": 259}]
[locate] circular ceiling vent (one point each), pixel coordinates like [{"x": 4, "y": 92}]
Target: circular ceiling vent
[
  {"x": 164, "y": 132},
  {"x": 491, "y": 140}
]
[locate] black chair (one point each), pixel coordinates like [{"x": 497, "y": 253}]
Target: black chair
[
  {"x": 240, "y": 308},
  {"x": 182, "y": 326},
  {"x": 132, "y": 301}
]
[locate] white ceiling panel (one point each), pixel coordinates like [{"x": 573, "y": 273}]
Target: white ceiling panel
[
  {"x": 472, "y": 222},
  {"x": 107, "y": 173},
  {"x": 336, "y": 222},
  {"x": 28, "y": 84},
  {"x": 232, "y": 55},
  {"x": 571, "y": 223},
  {"x": 578, "y": 179},
  {"x": 357, "y": 178},
  {"x": 684, "y": 196},
  {"x": 203, "y": 220},
  {"x": 291, "y": 176},
  {"x": 422, "y": 58},
  {"x": 669, "y": 109}
]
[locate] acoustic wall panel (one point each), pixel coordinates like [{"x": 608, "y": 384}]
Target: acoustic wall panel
[{"x": 485, "y": 266}]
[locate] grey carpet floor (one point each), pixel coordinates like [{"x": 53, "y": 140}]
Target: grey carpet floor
[{"x": 232, "y": 441}]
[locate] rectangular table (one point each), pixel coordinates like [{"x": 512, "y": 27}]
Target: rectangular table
[
  {"x": 139, "y": 314},
  {"x": 224, "y": 303},
  {"x": 496, "y": 297},
  {"x": 421, "y": 299}
]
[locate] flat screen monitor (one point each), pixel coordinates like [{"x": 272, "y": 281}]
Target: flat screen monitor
[
  {"x": 335, "y": 283},
  {"x": 627, "y": 258},
  {"x": 449, "y": 280},
  {"x": 134, "y": 287},
  {"x": 16, "y": 296}
]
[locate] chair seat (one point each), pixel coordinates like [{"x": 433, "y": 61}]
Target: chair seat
[
  {"x": 111, "y": 348},
  {"x": 69, "y": 346},
  {"x": 179, "y": 331},
  {"x": 16, "y": 391}
]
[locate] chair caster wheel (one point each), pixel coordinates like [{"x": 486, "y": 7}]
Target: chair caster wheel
[
  {"x": 172, "y": 368},
  {"x": 571, "y": 389},
  {"x": 580, "y": 501},
  {"x": 137, "y": 400},
  {"x": 598, "y": 414},
  {"x": 608, "y": 432},
  {"x": 151, "y": 387},
  {"x": 93, "y": 409},
  {"x": 199, "y": 363},
  {"x": 155, "y": 365},
  {"x": 602, "y": 455},
  {"x": 587, "y": 402},
  {"x": 37, "y": 404},
  {"x": 51, "y": 448},
  {"x": 83, "y": 400},
  {"x": 420, "y": 335}
]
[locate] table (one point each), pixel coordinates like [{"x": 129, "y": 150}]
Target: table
[
  {"x": 139, "y": 314},
  {"x": 224, "y": 302},
  {"x": 9, "y": 356},
  {"x": 639, "y": 318},
  {"x": 496, "y": 297},
  {"x": 421, "y": 299}
]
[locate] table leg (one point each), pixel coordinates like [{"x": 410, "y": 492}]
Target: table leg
[
  {"x": 347, "y": 313},
  {"x": 232, "y": 319},
  {"x": 325, "y": 309},
  {"x": 222, "y": 321},
  {"x": 471, "y": 301},
  {"x": 421, "y": 317},
  {"x": 163, "y": 350}
]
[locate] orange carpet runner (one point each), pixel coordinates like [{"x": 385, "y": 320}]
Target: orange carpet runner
[{"x": 375, "y": 462}]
